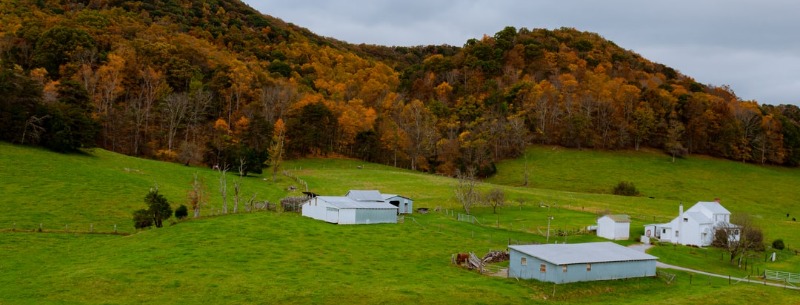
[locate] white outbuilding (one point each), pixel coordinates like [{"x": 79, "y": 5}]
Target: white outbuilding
[
  {"x": 567, "y": 263},
  {"x": 357, "y": 207},
  {"x": 404, "y": 204},
  {"x": 614, "y": 227}
]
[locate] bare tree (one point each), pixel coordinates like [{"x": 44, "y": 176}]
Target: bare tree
[
  {"x": 466, "y": 189},
  {"x": 35, "y": 125},
  {"x": 223, "y": 187},
  {"x": 174, "y": 109},
  {"x": 237, "y": 185},
  {"x": 495, "y": 198},
  {"x": 197, "y": 196},
  {"x": 199, "y": 102},
  {"x": 275, "y": 101},
  {"x": 276, "y": 149},
  {"x": 738, "y": 237},
  {"x": 236, "y": 188}
]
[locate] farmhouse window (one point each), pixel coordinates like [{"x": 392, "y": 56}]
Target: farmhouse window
[
  {"x": 564, "y": 268},
  {"x": 676, "y": 234},
  {"x": 523, "y": 261},
  {"x": 686, "y": 220},
  {"x": 542, "y": 268},
  {"x": 588, "y": 267},
  {"x": 663, "y": 231}
]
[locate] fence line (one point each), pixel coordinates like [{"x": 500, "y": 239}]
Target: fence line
[
  {"x": 296, "y": 179},
  {"x": 782, "y": 276},
  {"x": 67, "y": 228}
]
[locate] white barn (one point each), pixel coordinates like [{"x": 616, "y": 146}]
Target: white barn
[
  {"x": 357, "y": 207},
  {"x": 614, "y": 227},
  {"x": 696, "y": 226},
  {"x": 404, "y": 204}
]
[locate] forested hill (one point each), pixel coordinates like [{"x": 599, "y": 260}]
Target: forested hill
[{"x": 216, "y": 82}]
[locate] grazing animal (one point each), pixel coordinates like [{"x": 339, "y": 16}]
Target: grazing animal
[{"x": 462, "y": 258}]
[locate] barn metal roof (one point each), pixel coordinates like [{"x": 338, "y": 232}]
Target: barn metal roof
[
  {"x": 347, "y": 203},
  {"x": 387, "y": 196},
  {"x": 599, "y": 252},
  {"x": 359, "y": 195},
  {"x": 618, "y": 217}
]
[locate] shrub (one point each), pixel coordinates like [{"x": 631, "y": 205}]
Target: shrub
[
  {"x": 181, "y": 212},
  {"x": 778, "y": 244},
  {"x": 626, "y": 189},
  {"x": 142, "y": 219}
]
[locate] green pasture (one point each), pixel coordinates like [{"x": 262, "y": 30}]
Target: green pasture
[
  {"x": 100, "y": 189},
  {"x": 767, "y": 193},
  {"x": 274, "y": 258},
  {"x": 718, "y": 261},
  {"x": 270, "y": 257}
]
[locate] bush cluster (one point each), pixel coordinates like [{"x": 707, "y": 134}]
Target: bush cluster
[{"x": 626, "y": 189}]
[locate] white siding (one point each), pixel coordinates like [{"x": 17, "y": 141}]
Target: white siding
[
  {"x": 608, "y": 228},
  {"x": 316, "y": 209}
]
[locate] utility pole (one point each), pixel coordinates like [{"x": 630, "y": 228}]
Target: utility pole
[{"x": 549, "y": 218}]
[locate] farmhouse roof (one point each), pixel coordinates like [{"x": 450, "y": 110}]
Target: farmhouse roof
[
  {"x": 347, "y": 203},
  {"x": 618, "y": 217},
  {"x": 713, "y": 207},
  {"x": 698, "y": 217},
  {"x": 370, "y": 195},
  {"x": 585, "y": 253}
]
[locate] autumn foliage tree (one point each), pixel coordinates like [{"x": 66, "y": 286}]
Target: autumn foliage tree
[{"x": 161, "y": 81}]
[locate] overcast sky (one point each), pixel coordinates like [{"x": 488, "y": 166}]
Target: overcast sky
[{"x": 752, "y": 46}]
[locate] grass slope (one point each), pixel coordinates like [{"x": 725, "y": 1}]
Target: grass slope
[
  {"x": 767, "y": 193},
  {"x": 285, "y": 258},
  {"x": 101, "y": 188}
]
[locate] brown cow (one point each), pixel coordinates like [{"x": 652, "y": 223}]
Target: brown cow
[{"x": 462, "y": 258}]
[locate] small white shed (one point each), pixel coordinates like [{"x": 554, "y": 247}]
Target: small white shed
[
  {"x": 614, "y": 227},
  {"x": 404, "y": 204}
]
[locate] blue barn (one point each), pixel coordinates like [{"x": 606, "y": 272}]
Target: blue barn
[{"x": 567, "y": 263}]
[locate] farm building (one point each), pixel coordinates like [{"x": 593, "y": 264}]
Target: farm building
[
  {"x": 357, "y": 207},
  {"x": 404, "y": 205},
  {"x": 694, "y": 227},
  {"x": 614, "y": 227},
  {"x": 567, "y": 263}
]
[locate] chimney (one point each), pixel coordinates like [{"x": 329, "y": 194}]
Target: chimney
[
  {"x": 716, "y": 200},
  {"x": 680, "y": 210}
]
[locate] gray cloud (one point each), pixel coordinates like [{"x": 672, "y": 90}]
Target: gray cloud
[{"x": 752, "y": 46}]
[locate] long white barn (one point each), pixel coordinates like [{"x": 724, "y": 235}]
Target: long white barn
[{"x": 357, "y": 207}]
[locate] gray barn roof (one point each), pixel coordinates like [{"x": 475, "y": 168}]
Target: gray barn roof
[
  {"x": 387, "y": 196},
  {"x": 358, "y": 195},
  {"x": 599, "y": 252},
  {"x": 618, "y": 217},
  {"x": 347, "y": 203}
]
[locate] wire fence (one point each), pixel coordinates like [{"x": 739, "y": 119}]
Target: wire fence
[{"x": 91, "y": 228}]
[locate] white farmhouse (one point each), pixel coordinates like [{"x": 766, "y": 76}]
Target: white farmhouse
[
  {"x": 614, "y": 227},
  {"x": 696, "y": 226}
]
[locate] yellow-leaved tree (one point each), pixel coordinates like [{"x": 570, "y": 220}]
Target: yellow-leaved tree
[{"x": 276, "y": 150}]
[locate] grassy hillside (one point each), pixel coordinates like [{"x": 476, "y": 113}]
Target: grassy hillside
[
  {"x": 288, "y": 259},
  {"x": 766, "y": 193},
  {"x": 101, "y": 188},
  {"x": 284, "y": 258}
]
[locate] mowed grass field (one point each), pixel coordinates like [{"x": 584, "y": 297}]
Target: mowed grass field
[
  {"x": 270, "y": 258},
  {"x": 283, "y": 258},
  {"x": 766, "y": 193}
]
